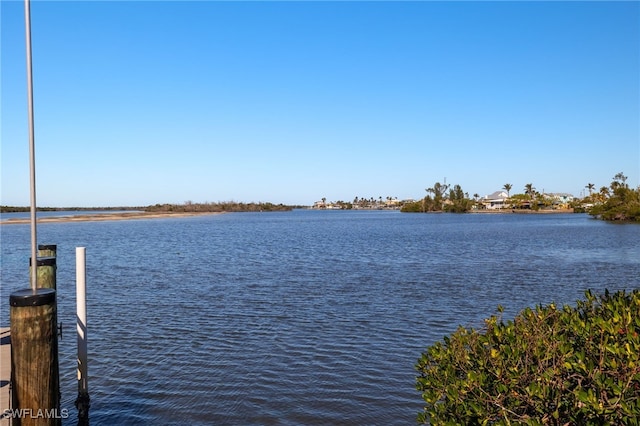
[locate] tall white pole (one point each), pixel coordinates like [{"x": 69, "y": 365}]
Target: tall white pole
[
  {"x": 83, "y": 402},
  {"x": 81, "y": 302},
  {"x": 32, "y": 155}
]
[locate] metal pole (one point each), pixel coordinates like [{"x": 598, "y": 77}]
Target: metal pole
[{"x": 32, "y": 156}]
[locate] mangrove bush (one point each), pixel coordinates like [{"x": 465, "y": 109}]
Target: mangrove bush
[{"x": 549, "y": 366}]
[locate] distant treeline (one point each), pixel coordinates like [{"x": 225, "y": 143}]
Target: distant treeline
[
  {"x": 229, "y": 206},
  {"x": 188, "y": 207}
]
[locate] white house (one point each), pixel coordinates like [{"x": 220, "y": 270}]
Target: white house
[{"x": 495, "y": 200}]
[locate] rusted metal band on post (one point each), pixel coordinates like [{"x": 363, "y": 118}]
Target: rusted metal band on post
[{"x": 27, "y": 297}]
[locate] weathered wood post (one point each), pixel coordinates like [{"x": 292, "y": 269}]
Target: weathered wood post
[
  {"x": 47, "y": 250},
  {"x": 83, "y": 402},
  {"x": 35, "y": 392},
  {"x": 45, "y": 272}
]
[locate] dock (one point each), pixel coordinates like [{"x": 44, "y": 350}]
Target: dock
[{"x": 5, "y": 373}]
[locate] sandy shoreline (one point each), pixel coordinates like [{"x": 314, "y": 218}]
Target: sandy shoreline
[{"x": 101, "y": 217}]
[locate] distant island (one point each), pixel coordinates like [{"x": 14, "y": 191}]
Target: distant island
[
  {"x": 616, "y": 202},
  {"x": 157, "y": 211},
  {"x": 187, "y": 207},
  {"x": 102, "y": 217},
  {"x": 228, "y": 206}
]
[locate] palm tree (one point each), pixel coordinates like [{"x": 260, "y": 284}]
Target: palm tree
[
  {"x": 590, "y": 187},
  {"x": 529, "y": 190},
  {"x": 507, "y": 187}
]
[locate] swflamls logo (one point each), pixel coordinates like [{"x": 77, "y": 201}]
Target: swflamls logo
[{"x": 29, "y": 413}]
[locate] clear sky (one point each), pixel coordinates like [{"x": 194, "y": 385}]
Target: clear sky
[{"x": 139, "y": 103}]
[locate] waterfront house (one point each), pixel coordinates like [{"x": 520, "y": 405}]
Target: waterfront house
[
  {"x": 494, "y": 201},
  {"x": 559, "y": 200}
]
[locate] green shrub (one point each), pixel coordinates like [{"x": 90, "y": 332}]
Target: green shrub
[
  {"x": 571, "y": 366},
  {"x": 622, "y": 205},
  {"x": 413, "y": 207}
]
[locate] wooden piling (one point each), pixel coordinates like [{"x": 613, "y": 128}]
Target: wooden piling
[
  {"x": 46, "y": 272},
  {"x": 34, "y": 358},
  {"x": 47, "y": 250}
]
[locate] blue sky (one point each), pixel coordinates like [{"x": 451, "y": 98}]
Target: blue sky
[{"x": 139, "y": 103}]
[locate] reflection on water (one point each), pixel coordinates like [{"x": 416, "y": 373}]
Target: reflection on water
[{"x": 306, "y": 317}]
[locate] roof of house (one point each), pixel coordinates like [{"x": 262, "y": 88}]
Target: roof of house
[{"x": 498, "y": 195}]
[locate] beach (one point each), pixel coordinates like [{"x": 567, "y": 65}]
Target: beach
[{"x": 106, "y": 217}]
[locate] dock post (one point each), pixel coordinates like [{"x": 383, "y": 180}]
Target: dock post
[
  {"x": 45, "y": 272},
  {"x": 47, "y": 250},
  {"x": 83, "y": 402},
  {"x": 35, "y": 379}
]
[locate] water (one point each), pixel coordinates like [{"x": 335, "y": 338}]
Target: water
[{"x": 303, "y": 317}]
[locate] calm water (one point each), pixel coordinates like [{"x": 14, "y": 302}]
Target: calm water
[{"x": 300, "y": 318}]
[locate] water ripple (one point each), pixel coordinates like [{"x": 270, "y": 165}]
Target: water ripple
[{"x": 312, "y": 318}]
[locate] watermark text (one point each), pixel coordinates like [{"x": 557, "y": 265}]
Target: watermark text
[{"x": 30, "y": 413}]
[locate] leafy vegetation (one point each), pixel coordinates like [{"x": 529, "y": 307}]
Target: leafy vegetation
[
  {"x": 616, "y": 203},
  {"x": 230, "y": 206},
  {"x": 571, "y": 366},
  {"x": 441, "y": 198},
  {"x": 389, "y": 203}
]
